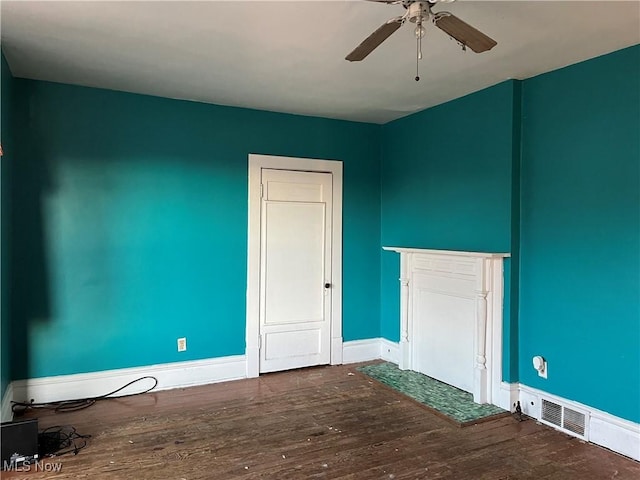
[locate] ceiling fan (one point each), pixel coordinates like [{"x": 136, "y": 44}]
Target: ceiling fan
[{"x": 419, "y": 12}]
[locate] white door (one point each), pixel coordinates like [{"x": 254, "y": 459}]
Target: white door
[{"x": 295, "y": 269}]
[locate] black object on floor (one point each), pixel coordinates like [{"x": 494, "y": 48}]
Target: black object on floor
[
  {"x": 61, "y": 440},
  {"x": 19, "y": 443}
]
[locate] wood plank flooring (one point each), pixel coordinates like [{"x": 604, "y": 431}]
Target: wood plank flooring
[{"x": 325, "y": 423}]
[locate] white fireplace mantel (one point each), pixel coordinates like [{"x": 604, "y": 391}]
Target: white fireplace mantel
[
  {"x": 454, "y": 253},
  {"x": 451, "y": 317}
]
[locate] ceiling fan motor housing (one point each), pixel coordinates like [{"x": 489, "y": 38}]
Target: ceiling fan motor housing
[{"x": 419, "y": 10}]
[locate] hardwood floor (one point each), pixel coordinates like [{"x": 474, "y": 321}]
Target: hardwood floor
[{"x": 326, "y": 422}]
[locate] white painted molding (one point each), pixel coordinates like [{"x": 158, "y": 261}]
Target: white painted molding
[
  {"x": 447, "y": 252},
  {"x": 169, "y": 375},
  {"x": 357, "y": 351},
  {"x": 389, "y": 351},
  {"x": 602, "y": 428},
  {"x": 475, "y": 277},
  {"x": 615, "y": 434},
  {"x": 337, "y": 351},
  {"x": 256, "y": 163},
  {"x": 508, "y": 396},
  {"x": 6, "y": 415}
]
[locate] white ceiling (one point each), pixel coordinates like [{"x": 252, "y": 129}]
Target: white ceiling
[{"x": 288, "y": 56}]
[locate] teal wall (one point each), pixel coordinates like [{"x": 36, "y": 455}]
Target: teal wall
[
  {"x": 7, "y": 140},
  {"x": 580, "y": 236},
  {"x": 558, "y": 156},
  {"x": 559, "y": 159},
  {"x": 131, "y": 226},
  {"x": 129, "y": 221},
  {"x": 447, "y": 184}
]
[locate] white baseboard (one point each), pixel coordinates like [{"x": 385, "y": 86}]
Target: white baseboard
[
  {"x": 509, "y": 395},
  {"x": 361, "y": 350},
  {"x": 617, "y": 434},
  {"x": 169, "y": 375},
  {"x": 6, "y": 415},
  {"x": 370, "y": 349},
  {"x": 614, "y": 433},
  {"x": 389, "y": 351},
  {"x": 621, "y": 436}
]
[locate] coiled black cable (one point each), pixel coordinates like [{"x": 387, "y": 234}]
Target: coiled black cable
[
  {"x": 19, "y": 408},
  {"x": 61, "y": 440}
]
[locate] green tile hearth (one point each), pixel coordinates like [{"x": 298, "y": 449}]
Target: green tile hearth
[{"x": 450, "y": 401}]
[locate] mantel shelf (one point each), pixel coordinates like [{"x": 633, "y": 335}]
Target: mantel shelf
[{"x": 447, "y": 252}]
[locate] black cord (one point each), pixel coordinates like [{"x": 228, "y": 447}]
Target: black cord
[
  {"x": 80, "y": 403},
  {"x": 58, "y": 440}
]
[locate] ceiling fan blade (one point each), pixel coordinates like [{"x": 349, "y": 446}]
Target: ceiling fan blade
[
  {"x": 376, "y": 38},
  {"x": 463, "y": 32}
]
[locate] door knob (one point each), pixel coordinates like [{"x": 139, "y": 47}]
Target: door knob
[{"x": 327, "y": 285}]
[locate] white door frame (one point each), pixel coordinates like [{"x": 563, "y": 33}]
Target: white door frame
[{"x": 256, "y": 164}]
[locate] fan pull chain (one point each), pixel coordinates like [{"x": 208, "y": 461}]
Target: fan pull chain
[
  {"x": 419, "y": 34},
  {"x": 418, "y": 57}
]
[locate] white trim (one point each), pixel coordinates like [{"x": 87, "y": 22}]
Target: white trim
[
  {"x": 357, "y": 351},
  {"x": 615, "y": 433},
  {"x": 602, "y": 428},
  {"x": 494, "y": 327},
  {"x": 6, "y": 414},
  {"x": 256, "y": 164},
  {"x": 447, "y": 252},
  {"x": 508, "y": 396},
  {"x": 169, "y": 375},
  {"x": 389, "y": 351}
]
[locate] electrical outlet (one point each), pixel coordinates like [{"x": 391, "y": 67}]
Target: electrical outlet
[{"x": 182, "y": 344}]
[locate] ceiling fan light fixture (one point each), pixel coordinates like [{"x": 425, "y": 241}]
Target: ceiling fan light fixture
[{"x": 419, "y": 31}]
